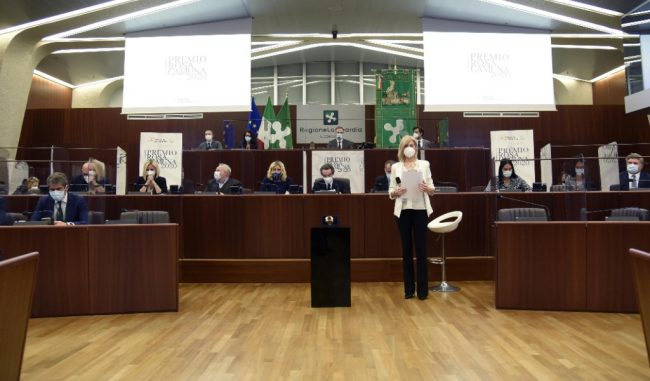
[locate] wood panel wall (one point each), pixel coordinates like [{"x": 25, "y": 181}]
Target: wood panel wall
[
  {"x": 107, "y": 128},
  {"x": 47, "y": 94},
  {"x": 611, "y": 90}
]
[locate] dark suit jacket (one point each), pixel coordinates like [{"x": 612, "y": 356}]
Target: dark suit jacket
[
  {"x": 213, "y": 186},
  {"x": 426, "y": 143},
  {"x": 624, "y": 180},
  {"x": 338, "y": 185},
  {"x": 215, "y": 145},
  {"x": 333, "y": 144},
  {"x": 76, "y": 210},
  {"x": 381, "y": 184},
  {"x": 79, "y": 184},
  {"x": 161, "y": 181},
  {"x": 281, "y": 187},
  {"x": 4, "y": 219}
]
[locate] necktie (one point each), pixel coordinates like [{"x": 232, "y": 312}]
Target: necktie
[
  {"x": 209, "y": 144},
  {"x": 420, "y": 144},
  {"x": 329, "y": 186},
  {"x": 59, "y": 211},
  {"x": 340, "y": 145},
  {"x": 634, "y": 183}
]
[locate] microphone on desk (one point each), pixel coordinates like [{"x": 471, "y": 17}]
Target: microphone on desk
[{"x": 546, "y": 209}]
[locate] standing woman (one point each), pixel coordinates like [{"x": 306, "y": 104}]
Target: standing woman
[{"x": 412, "y": 215}]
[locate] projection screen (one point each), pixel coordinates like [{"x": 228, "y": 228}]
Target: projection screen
[
  {"x": 479, "y": 67},
  {"x": 194, "y": 68}
]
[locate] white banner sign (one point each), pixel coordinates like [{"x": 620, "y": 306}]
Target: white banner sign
[
  {"x": 348, "y": 164},
  {"x": 316, "y": 123},
  {"x": 546, "y": 165},
  {"x": 518, "y": 146},
  {"x": 608, "y": 163},
  {"x": 18, "y": 171},
  {"x": 166, "y": 149},
  {"x": 120, "y": 172}
]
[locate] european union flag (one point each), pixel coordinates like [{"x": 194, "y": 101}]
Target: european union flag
[
  {"x": 228, "y": 135},
  {"x": 254, "y": 118}
]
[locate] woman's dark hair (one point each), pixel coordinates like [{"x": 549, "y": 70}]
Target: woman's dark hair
[
  {"x": 503, "y": 164},
  {"x": 572, "y": 169},
  {"x": 253, "y": 141}
]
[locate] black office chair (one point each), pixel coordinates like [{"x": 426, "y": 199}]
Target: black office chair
[
  {"x": 630, "y": 213},
  {"x": 96, "y": 218},
  {"x": 145, "y": 216},
  {"x": 522, "y": 214},
  {"x": 16, "y": 216}
]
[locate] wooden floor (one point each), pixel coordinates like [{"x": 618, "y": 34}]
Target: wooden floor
[{"x": 269, "y": 332}]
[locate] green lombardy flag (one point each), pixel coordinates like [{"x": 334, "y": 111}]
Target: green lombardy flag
[
  {"x": 395, "y": 107},
  {"x": 264, "y": 132},
  {"x": 281, "y": 135}
]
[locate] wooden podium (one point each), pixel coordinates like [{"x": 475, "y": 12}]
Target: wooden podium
[{"x": 330, "y": 267}]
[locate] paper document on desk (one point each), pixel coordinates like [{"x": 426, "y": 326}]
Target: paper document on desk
[{"x": 410, "y": 181}]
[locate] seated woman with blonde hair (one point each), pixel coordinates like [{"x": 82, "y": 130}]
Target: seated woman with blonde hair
[
  {"x": 276, "y": 179},
  {"x": 151, "y": 181}
]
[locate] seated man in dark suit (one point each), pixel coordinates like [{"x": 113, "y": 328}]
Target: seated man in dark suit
[
  {"x": 339, "y": 142},
  {"x": 328, "y": 182},
  {"x": 210, "y": 144},
  {"x": 63, "y": 207},
  {"x": 381, "y": 182},
  {"x": 418, "y": 134},
  {"x": 222, "y": 182},
  {"x": 91, "y": 179},
  {"x": 634, "y": 177}
]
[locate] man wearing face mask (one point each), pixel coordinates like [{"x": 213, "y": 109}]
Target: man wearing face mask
[
  {"x": 634, "y": 177},
  {"x": 339, "y": 142},
  {"x": 222, "y": 183},
  {"x": 328, "y": 182},
  {"x": 209, "y": 143},
  {"x": 90, "y": 180},
  {"x": 381, "y": 182},
  {"x": 62, "y": 207},
  {"x": 418, "y": 134}
]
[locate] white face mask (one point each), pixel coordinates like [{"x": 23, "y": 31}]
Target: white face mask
[
  {"x": 151, "y": 173},
  {"x": 409, "y": 152},
  {"x": 580, "y": 171},
  {"x": 247, "y": 138},
  {"x": 208, "y": 137},
  {"x": 507, "y": 174},
  {"x": 328, "y": 180},
  {"x": 57, "y": 195},
  {"x": 416, "y": 135},
  {"x": 339, "y": 136},
  {"x": 632, "y": 169},
  {"x": 217, "y": 175}
]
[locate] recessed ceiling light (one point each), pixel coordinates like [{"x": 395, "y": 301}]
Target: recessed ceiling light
[
  {"x": 554, "y": 16},
  {"x": 587, "y": 7}
]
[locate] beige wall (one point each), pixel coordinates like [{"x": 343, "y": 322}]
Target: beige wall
[{"x": 571, "y": 92}]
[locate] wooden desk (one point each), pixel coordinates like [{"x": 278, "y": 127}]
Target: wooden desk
[
  {"x": 576, "y": 266},
  {"x": 264, "y": 238},
  {"x": 100, "y": 269}
]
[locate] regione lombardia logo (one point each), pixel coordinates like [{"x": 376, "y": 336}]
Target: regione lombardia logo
[{"x": 330, "y": 117}]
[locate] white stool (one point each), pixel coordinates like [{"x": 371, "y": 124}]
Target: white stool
[{"x": 440, "y": 225}]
